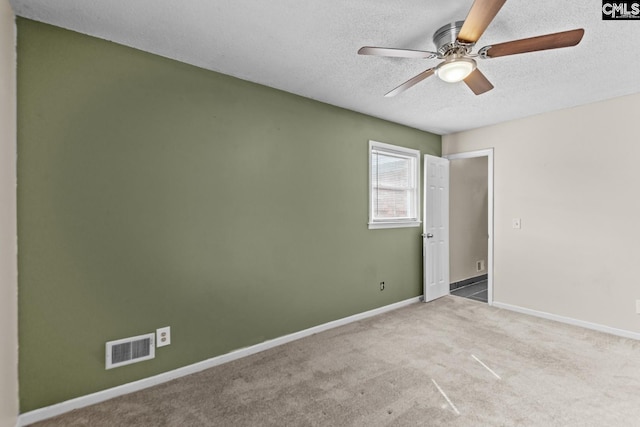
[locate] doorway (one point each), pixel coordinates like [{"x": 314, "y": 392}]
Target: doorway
[{"x": 471, "y": 222}]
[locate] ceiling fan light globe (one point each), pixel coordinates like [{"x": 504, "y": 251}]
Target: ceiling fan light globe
[{"x": 455, "y": 70}]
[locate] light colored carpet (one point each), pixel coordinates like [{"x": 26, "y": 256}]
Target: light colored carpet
[{"x": 386, "y": 370}]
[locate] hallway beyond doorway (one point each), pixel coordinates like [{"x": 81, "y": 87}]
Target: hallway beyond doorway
[{"x": 476, "y": 290}]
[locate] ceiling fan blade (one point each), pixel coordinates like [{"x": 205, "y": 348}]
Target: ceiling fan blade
[
  {"x": 397, "y": 53},
  {"x": 411, "y": 82},
  {"x": 534, "y": 44},
  {"x": 478, "y": 83},
  {"x": 480, "y": 16}
]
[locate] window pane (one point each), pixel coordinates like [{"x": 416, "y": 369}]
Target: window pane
[
  {"x": 390, "y": 171},
  {"x": 392, "y": 203}
]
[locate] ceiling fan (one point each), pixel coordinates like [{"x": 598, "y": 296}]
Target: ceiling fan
[{"x": 455, "y": 42}]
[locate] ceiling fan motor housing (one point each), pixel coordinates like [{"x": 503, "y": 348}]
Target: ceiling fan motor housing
[{"x": 445, "y": 39}]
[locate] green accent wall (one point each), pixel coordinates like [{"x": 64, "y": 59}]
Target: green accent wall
[{"x": 154, "y": 193}]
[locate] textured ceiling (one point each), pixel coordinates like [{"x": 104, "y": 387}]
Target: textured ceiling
[{"x": 309, "y": 48}]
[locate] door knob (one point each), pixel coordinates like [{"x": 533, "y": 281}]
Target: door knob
[{"x": 428, "y": 236}]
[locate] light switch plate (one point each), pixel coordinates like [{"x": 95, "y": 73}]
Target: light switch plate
[
  {"x": 163, "y": 336},
  {"x": 516, "y": 223}
]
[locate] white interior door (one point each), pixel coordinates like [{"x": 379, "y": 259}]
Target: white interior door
[{"x": 435, "y": 237}]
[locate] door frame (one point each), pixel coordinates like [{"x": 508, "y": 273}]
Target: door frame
[{"x": 489, "y": 154}]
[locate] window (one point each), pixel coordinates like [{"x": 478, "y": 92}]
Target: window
[{"x": 394, "y": 191}]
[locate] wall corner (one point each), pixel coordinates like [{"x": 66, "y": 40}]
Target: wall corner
[{"x": 9, "y": 404}]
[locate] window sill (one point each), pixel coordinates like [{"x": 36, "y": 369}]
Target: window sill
[{"x": 403, "y": 224}]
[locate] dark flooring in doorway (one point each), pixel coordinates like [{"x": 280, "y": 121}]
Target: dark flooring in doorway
[{"x": 477, "y": 291}]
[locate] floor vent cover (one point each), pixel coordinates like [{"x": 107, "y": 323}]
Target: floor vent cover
[{"x": 130, "y": 350}]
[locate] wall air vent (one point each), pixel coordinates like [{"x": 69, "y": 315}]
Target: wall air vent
[{"x": 130, "y": 350}]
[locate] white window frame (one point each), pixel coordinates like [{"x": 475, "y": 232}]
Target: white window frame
[{"x": 414, "y": 156}]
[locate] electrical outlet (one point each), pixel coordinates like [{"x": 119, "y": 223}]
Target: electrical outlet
[
  {"x": 163, "y": 336},
  {"x": 382, "y": 286}
]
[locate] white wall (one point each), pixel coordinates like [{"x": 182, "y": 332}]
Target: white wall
[
  {"x": 8, "y": 233},
  {"x": 468, "y": 212},
  {"x": 573, "y": 176}
]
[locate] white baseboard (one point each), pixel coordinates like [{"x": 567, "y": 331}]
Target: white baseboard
[
  {"x": 571, "y": 321},
  {"x": 100, "y": 396}
]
